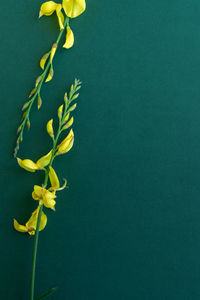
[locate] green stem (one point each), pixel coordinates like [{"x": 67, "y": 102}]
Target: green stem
[
  {"x": 55, "y": 141},
  {"x": 37, "y": 92},
  {"x": 35, "y": 245}
]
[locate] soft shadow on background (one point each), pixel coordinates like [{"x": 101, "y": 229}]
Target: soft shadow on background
[{"x": 128, "y": 227}]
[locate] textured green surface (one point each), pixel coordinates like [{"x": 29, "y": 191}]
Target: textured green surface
[{"x": 129, "y": 225}]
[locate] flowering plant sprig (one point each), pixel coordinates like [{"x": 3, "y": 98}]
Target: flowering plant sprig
[
  {"x": 46, "y": 193},
  {"x": 68, "y": 9}
]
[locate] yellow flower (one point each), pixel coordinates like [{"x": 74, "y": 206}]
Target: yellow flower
[
  {"x": 55, "y": 184},
  {"x": 69, "y": 38},
  {"x": 31, "y": 225},
  {"x": 44, "y": 196},
  {"x": 44, "y": 160},
  {"x": 49, "y": 7},
  {"x": 73, "y": 8},
  {"x": 60, "y": 16},
  {"x": 30, "y": 166},
  {"x": 66, "y": 144}
]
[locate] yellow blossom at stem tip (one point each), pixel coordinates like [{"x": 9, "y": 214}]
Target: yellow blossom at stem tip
[
  {"x": 49, "y": 7},
  {"x": 73, "y": 8},
  {"x": 31, "y": 225}
]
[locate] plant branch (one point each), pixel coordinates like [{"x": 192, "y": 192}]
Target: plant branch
[{"x": 36, "y": 93}]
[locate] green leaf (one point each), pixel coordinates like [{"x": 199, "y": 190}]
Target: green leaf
[{"x": 49, "y": 292}]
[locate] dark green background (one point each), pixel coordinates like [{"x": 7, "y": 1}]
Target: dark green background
[{"x": 128, "y": 227}]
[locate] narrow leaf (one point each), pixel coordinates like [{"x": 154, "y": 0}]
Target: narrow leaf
[{"x": 52, "y": 290}]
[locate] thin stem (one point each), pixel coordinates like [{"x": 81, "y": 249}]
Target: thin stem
[
  {"x": 54, "y": 149},
  {"x": 35, "y": 247},
  {"x": 36, "y": 92}
]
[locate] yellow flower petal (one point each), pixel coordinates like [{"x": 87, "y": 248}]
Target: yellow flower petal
[
  {"x": 45, "y": 196},
  {"x": 50, "y": 128},
  {"x": 44, "y": 160},
  {"x": 66, "y": 144},
  {"x": 60, "y": 16},
  {"x": 35, "y": 196},
  {"x": 28, "y": 165},
  {"x": 31, "y": 225},
  {"x": 48, "y": 8},
  {"x": 69, "y": 38},
  {"x": 73, "y": 8},
  {"x": 19, "y": 227},
  {"x": 49, "y": 201},
  {"x": 55, "y": 184},
  {"x": 38, "y": 193}
]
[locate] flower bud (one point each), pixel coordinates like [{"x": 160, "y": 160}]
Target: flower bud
[
  {"x": 43, "y": 60},
  {"x": 65, "y": 97},
  {"x": 32, "y": 92},
  {"x": 50, "y": 128},
  {"x": 68, "y": 124},
  {"x": 72, "y": 107},
  {"x": 19, "y": 129},
  {"x": 28, "y": 124},
  {"x": 75, "y": 96},
  {"x": 53, "y": 51},
  {"x": 39, "y": 102},
  {"x": 38, "y": 81},
  {"x": 25, "y": 105},
  {"x": 66, "y": 117},
  {"x": 23, "y": 116},
  {"x": 50, "y": 75},
  {"x": 60, "y": 111}
]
